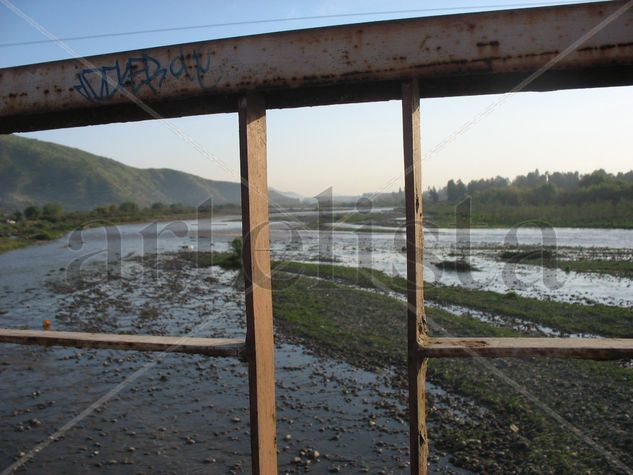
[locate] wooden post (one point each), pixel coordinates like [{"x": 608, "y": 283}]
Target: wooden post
[
  {"x": 259, "y": 312},
  {"x": 416, "y": 320}
]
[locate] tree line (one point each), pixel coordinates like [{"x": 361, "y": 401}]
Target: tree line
[
  {"x": 538, "y": 189},
  {"x": 54, "y": 212},
  {"x": 50, "y": 221}
]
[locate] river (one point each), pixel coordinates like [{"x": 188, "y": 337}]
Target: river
[{"x": 189, "y": 413}]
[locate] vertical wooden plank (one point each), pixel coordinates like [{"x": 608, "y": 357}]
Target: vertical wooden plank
[
  {"x": 259, "y": 313},
  {"x": 416, "y": 320}
]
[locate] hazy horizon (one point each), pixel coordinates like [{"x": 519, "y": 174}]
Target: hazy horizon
[{"x": 301, "y": 194}]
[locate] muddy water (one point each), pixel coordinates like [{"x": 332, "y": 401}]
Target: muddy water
[{"x": 178, "y": 413}]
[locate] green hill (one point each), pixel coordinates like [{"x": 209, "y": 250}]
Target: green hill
[{"x": 36, "y": 172}]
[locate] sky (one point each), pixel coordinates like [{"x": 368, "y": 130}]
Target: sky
[{"x": 352, "y": 148}]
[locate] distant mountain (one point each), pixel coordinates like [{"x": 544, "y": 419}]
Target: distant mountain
[
  {"x": 289, "y": 194},
  {"x": 36, "y": 172},
  {"x": 312, "y": 200}
]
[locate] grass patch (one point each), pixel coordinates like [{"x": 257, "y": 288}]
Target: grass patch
[
  {"x": 9, "y": 244},
  {"x": 369, "y": 326},
  {"x": 595, "y": 319},
  {"x": 231, "y": 260},
  {"x": 604, "y": 320},
  {"x": 369, "y": 329},
  {"x": 362, "y": 277},
  {"x": 531, "y": 255},
  {"x": 601, "y": 266},
  {"x": 458, "y": 265},
  {"x": 547, "y": 258},
  {"x": 28, "y": 236}
]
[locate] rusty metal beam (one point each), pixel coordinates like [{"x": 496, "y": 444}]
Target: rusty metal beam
[
  {"x": 584, "y": 348},
  {"x": 167, "y": 344},
  {"x": 451, "y": 55}
]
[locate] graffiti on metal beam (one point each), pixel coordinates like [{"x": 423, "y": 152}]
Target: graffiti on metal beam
[{"x": 141, "y": 73}]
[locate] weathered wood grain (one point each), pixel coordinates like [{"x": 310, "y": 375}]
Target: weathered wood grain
[
  {"x": 585, "y": 348},
  {"x": 259, "y": 311},
  {"x": 168, "y": 344},
  {"x": 416, "y": 320}
]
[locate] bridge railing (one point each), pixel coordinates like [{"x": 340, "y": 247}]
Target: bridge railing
[{"x": 540, "y": 49}]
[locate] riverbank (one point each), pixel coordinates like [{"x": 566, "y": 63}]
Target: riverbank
[
  {"x": 341, "y": 380},
  {"x": 446, "y": 215},
  {"x": 518, "y": 427},
  {"x": 28, "y": 232},
  {"x": 532, "y": 406}
]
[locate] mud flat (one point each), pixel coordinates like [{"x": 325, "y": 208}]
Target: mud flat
[
  {"x": 539, "y": 413},
  {"x": 189, "y": 413}
]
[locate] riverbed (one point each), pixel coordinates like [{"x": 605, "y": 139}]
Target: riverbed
[
  {"x": 175, "y": 413},
  {"x": 190, "y": 413}
]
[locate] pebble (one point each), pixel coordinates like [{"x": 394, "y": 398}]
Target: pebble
[{"x": 35, "y": 423}]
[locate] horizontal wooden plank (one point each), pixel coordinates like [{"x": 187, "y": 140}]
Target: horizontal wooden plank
[
  {"x": 586, "y": 348},
  {"x": 449, "y": 55},
  {"x": 169, "y": 344}
]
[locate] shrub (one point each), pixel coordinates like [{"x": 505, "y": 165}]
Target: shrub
[
  {"x": 52, "y": 211},
  {"x": 32, "y": 212}
]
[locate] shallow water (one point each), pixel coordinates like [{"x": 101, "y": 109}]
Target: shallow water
[
  {"x": 384, "y": 251},
  {"x": 377, "y": 250},
  {"x": 182, "y": 413},
  {"x": 189, "y": 413}
]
